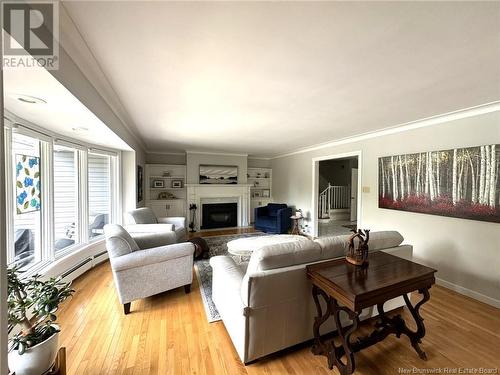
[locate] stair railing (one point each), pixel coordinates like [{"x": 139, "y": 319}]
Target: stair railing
[{"x": 333, "y": 197}]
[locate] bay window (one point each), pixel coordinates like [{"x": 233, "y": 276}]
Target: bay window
[
  {"x": 59, "y": 196},
  {"x": 99, "y": 188},
  {"x": 26, "y": 185},
  {"x": 66, "y": 187}
]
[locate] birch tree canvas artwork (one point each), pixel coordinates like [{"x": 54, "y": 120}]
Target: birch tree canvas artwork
[{"x": 462, "y": 183}]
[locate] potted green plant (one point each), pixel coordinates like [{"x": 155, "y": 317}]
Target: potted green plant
[{"x": 32, "y": 305}]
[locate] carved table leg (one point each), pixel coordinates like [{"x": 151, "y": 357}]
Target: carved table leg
[
  {"x": 345, "y": 336},
  {"x": 416, "y": 337},
  {"x": 320, "y": 347}
]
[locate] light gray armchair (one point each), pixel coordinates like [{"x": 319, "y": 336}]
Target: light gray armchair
[
  {"x": 141, "y": 218},
  {"x": 140, "y": 273}
]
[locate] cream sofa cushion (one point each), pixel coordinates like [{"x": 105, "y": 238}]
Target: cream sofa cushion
[
  {"x": 336, "y": 246},
  {"x": 283, "y": 255},
  {"x": 385, "y": 240}
]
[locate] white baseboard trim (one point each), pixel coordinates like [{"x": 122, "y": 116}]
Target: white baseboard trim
[{"x": 469, "y": 293}]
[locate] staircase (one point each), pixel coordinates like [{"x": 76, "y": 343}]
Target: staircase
[{"x": 334, "y": 203}]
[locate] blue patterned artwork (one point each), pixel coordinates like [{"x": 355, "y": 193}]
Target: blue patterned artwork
[{"x": 27, "y": 184}]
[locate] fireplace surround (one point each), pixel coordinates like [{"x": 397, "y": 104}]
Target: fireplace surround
[
  {"x": 238, "y": 194},
  {"x": 219, "y": 215}
]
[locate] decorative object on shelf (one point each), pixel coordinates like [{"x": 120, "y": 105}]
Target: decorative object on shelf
[
  {"x": 266, "y": 175},
  {"x": 358, "y": 256},
  {"x": 462, "y": 183},
  {"x": 177, "y": 184},
  {"x": 158, "y": 184},
  {"x": 27, "y": 184},
  {"x": 140, "y": 175},
  {"x": 256, "y": 194},
  {"x": 165, "y": 195},
  {"x": 266, "y": 193},
  {"x": 32, "y": 304},
  {"x": 192, "y": 212},
  {"x": 218, "y": 174},
  {"x": 256, "y": 183},
  {"x": 166, "y": 174}
]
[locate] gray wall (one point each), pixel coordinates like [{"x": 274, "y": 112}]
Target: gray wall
[
  {"x": 158, "y": 158},
  {"x": 259, "y": 163},
  {"x": 195, "y": 159},
  {"x": 466, "y": 253}
]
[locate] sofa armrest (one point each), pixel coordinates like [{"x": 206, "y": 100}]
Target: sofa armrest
[
  {"x": 177, "y": 222},
  {"x": 284, "y": 221},
  {"x": 227, "y": 272},
  {"x": 155, "y": 255}
]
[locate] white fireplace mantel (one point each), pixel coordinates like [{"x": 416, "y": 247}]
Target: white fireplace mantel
[{"x": 205, "y": 193}]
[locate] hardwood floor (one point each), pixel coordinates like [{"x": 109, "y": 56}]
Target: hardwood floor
[{"x": 169, "y": 334}]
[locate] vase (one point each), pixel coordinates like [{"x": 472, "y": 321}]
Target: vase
[{"x": 35, "y": 360}]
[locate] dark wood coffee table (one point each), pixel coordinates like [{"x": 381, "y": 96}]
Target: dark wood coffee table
[{"x": 349, "y": 288}]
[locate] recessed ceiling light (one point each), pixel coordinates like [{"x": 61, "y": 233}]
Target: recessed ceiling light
[
  {"x": 28, "y": 99},
  {"x": 80, "y": 129}
]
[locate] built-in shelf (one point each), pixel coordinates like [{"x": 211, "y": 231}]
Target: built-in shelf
[
  {"x": 260, "y": 183},
  {"x": 166, "y": 207},
  {"x": 261, "y": 180}
]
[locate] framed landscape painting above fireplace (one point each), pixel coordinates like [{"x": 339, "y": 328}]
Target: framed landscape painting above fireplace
[
  {"x": 461, "y": 182},
  {"x": 218, "y": 174}
]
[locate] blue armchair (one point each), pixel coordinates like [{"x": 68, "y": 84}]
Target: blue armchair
[{"x": 273, "y": 218}]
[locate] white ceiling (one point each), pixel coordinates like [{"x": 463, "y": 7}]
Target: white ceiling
[
  {"x": 267, "y": 78},
  {"x": 62, "y": 111}
]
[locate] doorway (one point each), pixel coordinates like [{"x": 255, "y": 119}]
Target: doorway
[{"x": 336, "y": 194}]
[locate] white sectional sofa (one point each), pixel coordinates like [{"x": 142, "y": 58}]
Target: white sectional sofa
[{"x": 266, "y": 304}]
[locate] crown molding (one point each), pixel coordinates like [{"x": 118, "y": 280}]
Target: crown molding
[
  {"x": 214, "y": 153},
  {"x": 259, "y": 158},
  {"x": 165, "y": 153},
  {"x": 425, "y": 122}
]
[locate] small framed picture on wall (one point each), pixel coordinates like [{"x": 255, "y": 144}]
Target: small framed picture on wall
[
  {"x": 266, "y": 193},
  {"x": 176, "y": 184},
  {"x": 158, "y": 184}
]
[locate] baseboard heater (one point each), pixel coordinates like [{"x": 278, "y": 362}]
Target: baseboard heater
[{"x": 83, "y": 263}]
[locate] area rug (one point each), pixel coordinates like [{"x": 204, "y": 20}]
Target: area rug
[{"x": 217, "y": 246}]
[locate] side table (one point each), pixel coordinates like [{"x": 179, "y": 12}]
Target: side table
[{"x": 349, "y": 288}]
